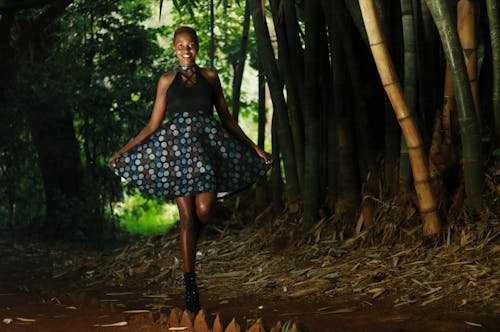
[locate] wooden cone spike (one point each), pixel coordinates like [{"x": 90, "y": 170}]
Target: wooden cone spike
[
  {"x": 200, "y": 323},
  {"x": 217, "y": 325},
  {"x": 163, "y": 320},
  {"x": 233, "y": 326},
  {"x": 257, "y": 327},
  {"x": 175, "y": 317},
  {"x": 295, "y": 328},
  {"x": 187, "y": 319},
  {"x": 277, "y": 327}
]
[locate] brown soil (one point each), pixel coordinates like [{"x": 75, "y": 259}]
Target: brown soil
[{"x": 322, "y": 282}]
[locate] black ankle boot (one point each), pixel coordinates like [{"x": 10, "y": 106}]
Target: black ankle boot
[{"x": 192, "y": 295}]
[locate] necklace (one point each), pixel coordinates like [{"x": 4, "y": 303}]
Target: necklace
[{"x": 187, "y": 69}]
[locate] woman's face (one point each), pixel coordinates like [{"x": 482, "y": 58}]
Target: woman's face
[{"x": 186, "y": 49}]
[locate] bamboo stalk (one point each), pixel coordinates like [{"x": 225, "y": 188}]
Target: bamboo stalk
[
  {"x": 409, "y": 88},
  {"x": 261, "y": 197},
  {"x": 427, "y": 56},
  {"x": 493, "y": 9},
  {"x": 332, "y": 146},
  {"x": 239, "y": 65},
  {"x": 364, "y": 133},
  {"x": 287, "y": 55},
  {"x": 426, "y": 201},
  {"x": 342, "y": 147},
  {"x": 449, "y": 108},
  {"x": 211, "y": 51},
  {"x": 441, "y": 13},
  {"x": 270, "y": 69},
  {"x": 311, "y": 108},
  {"x": 276, "y": 178},
  {"x": 441, "y": 153},
  {"x": 466, "y": 25}
]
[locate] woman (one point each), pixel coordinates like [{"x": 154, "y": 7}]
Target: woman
[{"x": 193, "y": 158}]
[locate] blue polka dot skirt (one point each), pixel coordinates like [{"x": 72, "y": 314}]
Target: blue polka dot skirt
[{"x": 193, "y": 153}]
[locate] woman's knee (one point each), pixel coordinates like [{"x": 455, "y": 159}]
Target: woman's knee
[
  {"x": 187, "y": 214},
  {"x": 203, "y": 211},
  {"x": 204, "y": 203}
]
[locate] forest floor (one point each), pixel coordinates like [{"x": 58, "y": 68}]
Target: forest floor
[{"x": 258, "y": 269}]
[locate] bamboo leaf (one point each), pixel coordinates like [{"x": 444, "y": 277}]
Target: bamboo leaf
[{"x": 123, "y": 323}]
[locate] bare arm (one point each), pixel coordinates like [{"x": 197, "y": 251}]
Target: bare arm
[
  {"x": 225, "y": 117},
  {"x": 156, "y": 115}
]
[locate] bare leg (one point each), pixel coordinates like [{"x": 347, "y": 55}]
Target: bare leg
[
  {"x": 193, "y": 211},
  {"x": 187, "y": 214}
]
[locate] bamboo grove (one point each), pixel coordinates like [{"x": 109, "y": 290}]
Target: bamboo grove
[
  {"x": 373, "y": 102},
  {"x": 342, "y": 142}
]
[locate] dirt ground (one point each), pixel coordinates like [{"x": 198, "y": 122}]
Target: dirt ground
[{"x": 323, "y": 283}]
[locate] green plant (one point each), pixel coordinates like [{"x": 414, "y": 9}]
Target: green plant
[{"x": 147, "y": 216}]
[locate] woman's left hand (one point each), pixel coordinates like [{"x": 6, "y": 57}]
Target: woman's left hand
[{"x": 268, "y": 159}]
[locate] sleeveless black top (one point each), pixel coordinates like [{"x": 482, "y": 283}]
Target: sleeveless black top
[{"x": 190, "y": 98}]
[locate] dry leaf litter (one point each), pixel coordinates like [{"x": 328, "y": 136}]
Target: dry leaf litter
[{"x": 267, "y": 257}]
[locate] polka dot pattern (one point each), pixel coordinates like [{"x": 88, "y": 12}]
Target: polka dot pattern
[{"x": 191, "y": 154}]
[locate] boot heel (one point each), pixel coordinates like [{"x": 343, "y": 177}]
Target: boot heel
[{"x": 192, "y": 294}]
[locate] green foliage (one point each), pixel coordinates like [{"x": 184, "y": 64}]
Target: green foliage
[
  {"x": 98, "y": 67},
  {"x": 21, "y": 190},
  {"x": 147, "y": 216}
]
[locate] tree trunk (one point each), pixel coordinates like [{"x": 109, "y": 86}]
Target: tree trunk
[
  {"x": 294, "y": 44},
  {"x": 441, "y": 155},
  {"x": 392, "y": 152},
  {"x": 363, "y": 128},
  {"x": 293, "y": 95},
  {"x": 51, "y": 129},
  {"x": 311, "y": 108},
  {"x": 262, "y": 109},
  {"x": 60, "y": 165},
  {"x": 240, "y": 64},
  {"x": 426, "y": 201},
  {"x": 9, "y": 59},
  {"x": 295, "y": 53},
  {"x": 270, "y": 69},
  {"x": 276, "y": 177},
  {"x": 8, "y": 63},
  {"x": 469, "y": 131},
  {"x": 332, "y": 146},
  {"x": 261, "y": 199},
  {"x": 211, "y": 51},
  {"x": 355, "y": 11},
  {"x": 342, "y": 148},
  {"x": 94, "y": 205},
  {"x": 326, "y": 101},
  {"x": 494, "y": 23},
  {"x": 428, "y": 55}
]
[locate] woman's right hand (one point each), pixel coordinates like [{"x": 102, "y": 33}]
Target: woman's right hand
[{"x": 268, "y": 159}]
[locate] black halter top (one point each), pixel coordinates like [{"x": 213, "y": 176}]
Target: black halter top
[{"x": 190, "y": 98}]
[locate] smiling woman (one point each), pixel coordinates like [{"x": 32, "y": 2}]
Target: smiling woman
[
  {"x": 194, "y": 158},
  {"x": 186, "y": 47}
]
